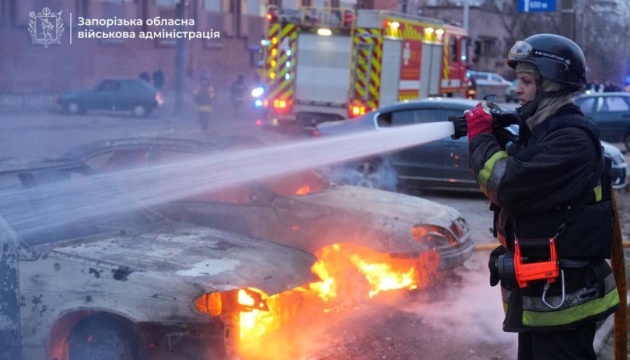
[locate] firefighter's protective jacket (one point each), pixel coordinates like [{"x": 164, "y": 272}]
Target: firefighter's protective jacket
[
  {"x": 204, "y": 95},
  {"x": 553, "y": 175}
]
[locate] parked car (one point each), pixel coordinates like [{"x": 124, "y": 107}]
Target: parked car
[
  {"x": 510, "y": 92},
  {"x": 133, "y": 95},
  {"x": 441, "y": 164},
  {"x": 611, "y": 111},
  {"x": 87, "y": 274},
  {"x": 488, "y": 83},
  {"x": 298, "y": 209}
]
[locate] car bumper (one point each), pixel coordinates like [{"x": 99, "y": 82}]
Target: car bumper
[
  {"x": 618, "y": 177},
  {"x": 455, "y": 256}
]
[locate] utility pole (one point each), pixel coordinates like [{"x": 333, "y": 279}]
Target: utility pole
[
  {"x": 466, "y": 15},
  {"x": 567, "y": 19},
  {"x": 180, "y": 58}
]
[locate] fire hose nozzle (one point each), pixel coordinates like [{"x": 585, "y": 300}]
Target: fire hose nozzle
[
  {"x": 500, "y": 120},
  {"x": 459, "y": 125}
]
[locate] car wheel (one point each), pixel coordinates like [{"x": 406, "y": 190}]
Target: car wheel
[
  {"x": 74, "y": 107},
  {"x": 140, "y": 111},
  {"x": 102, "y": 337},
  {"x": 626, "y": 142},
  {"x": 374, "y": 174}
]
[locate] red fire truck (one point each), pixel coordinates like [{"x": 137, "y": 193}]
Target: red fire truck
[{"x": 331, "y": 64}]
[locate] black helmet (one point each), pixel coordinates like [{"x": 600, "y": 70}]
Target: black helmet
[{"x": 557, "y": 58}]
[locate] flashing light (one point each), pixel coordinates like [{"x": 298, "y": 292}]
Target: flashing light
[
  {"x": 324, "y": 32},
  {"x": 258, "y": 91},
  {"x": 273, "y": 63},
  {"x": 287, "y": 64},
  {"x": 274, "y": 40},
  {"x": 279, "y": 104},
  {"x": 287, "y": 76},
  {"x": 289, "y": 52},
  {"x": 264, "y": 42},
  {"x": 394, "y": 24},
  {"x": 274, "y": 52},
  {"x": 265, "y": 103},
  {"x": 357, "y": 110},
  {"x": 439, "y": 32},
  {"x": 272, "y": 75},
  {"x": 258, "y": 103},
  {"x": 429, "y": 30}
]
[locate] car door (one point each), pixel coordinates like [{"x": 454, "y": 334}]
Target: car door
[
  {"x": 422, "y": 163},
  {"x": 105, "y": 95},
  {"x": 612, "y": 114},
  {"x": 455, "y": 155}
]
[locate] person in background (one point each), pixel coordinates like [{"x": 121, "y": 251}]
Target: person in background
[
  {"x": 204, "y": 96},
  {"x": 237, "y": 90},
  {"x": 158, "y": 79},
  {"x": 549, "y": 190},
  {"x": 145, "y": 76}
]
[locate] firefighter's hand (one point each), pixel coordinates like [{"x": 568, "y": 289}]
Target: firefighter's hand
[
  {"x": 493, "y": 266},
  {"x": 478, "y": 121}
]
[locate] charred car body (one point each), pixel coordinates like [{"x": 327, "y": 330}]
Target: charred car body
[
  {"x": 87, "y": 275},
  {"x": 301, "y": 209}
]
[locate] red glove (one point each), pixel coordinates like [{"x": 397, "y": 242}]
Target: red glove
[{"x": 478, "y": 121}]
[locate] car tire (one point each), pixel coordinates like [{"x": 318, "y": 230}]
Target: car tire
[
  {"x": 74, "y": 107},
  {"x": 103, "y": 337},
  {"x": 140, "y": 111}
]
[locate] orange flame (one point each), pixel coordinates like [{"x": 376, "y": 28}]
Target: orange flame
[
  {"x": 303, "y": 190},
  {"x": 348, "y": 273}
]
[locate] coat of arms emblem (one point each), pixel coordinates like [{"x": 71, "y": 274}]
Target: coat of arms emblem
[{"x": 45, "y": 27}]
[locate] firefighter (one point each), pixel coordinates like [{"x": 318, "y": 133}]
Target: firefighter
[
  {"x": 548, "y": 187},
  {"x": 204, "y": 95}
]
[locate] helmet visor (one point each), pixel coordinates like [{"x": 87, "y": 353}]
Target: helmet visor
[{"x": 520, "y": 50}]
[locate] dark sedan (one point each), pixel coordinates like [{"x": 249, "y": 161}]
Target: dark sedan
[
  {"x": 611, "y": 111},
  {"x": 133, "y": 95},
  {"x": 441, "y": 164}
]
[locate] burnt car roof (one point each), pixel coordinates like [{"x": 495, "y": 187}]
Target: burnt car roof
[
  {"x": 186, "y": 145},
  {"x": 225, "y": 260},
  {"x": 15, "y": 164}
]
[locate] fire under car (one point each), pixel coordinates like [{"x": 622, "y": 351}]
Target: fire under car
[
  {"x": 297, "y": 209},
  {"x": 87, "y": 275}
]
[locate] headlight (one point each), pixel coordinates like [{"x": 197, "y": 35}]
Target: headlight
[{"x": 434, "y": 237}]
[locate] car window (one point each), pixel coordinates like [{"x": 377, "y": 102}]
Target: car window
[
  {"x": 401, "y": 118},
  {"x": 299, "y": 183},
  {"x": 613, "y": 103},
  {"x": 586, "y": 104},
  {"x": 109, "y": 85}
]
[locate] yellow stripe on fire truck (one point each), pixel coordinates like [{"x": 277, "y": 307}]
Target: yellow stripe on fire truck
[
  {"x": 281, "y": 61},
  {"x": 369, "y": 53}
]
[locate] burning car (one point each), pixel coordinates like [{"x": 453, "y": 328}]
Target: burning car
[
  {"x": 352, "y": 226},
  {"x": 86, "y": 274}
]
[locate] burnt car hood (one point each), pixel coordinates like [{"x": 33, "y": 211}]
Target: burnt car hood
[
  {"x": 206, "y": 258},
  {"x": 403, "y": 207}
]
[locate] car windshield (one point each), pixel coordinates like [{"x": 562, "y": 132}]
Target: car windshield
[
  {"x": 48, "y": 206},
  {"x": 299, "y": 183}
]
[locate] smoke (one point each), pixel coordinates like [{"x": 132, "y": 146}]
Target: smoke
[{"x": 471, "y": 310}]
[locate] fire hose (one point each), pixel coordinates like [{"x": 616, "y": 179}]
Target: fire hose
[
  {"x": 502, "y": 119},
  {"x": 618, "y": 263}
]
